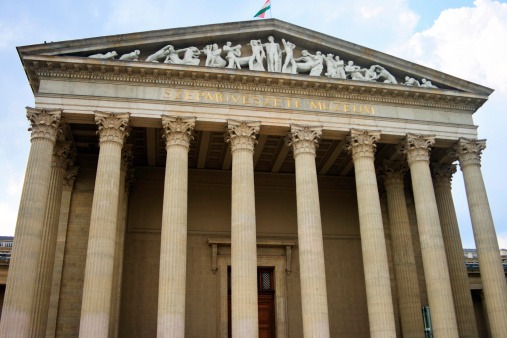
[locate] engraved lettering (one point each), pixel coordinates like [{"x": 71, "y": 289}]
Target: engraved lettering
[
  {"x": 324, "y": 106},
  {"x": 189, "y": 98},
  {"x": 314, "y": 106},
  {"x": 288, "y": 103},
  {"x": 215, "y": 96},
  {"x": 296, "y": 103},
  {"x": 278, "y": 100},
  {"x": 226, "y": 95},
  {"x": 176, "y": 97},
  {"x": 246, "y": 99},
  {"x": 199, "y": 94},
  {"x": 345, "y": 107},
  {"x": 366, "y": 110},
  {"x": 235, "y": 99},
  {"x": 167, "y": 93},
  {"x": 266, "y": 103},
  {"x": 337, "y": 106},
  {"x": 257, "y": 101},
  {"x": 355, "y": 111}
]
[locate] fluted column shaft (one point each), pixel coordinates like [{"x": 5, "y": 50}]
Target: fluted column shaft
[
  {"x": 98, "y": 281},
  {"x": 59, "y": 164},
  {"x": 376, "y": 267},
  {"x": 409, "y": 300},
  {"x": 303, "y": 140},
  {"x": 244, "y": 316},
  {"x": 173, "y": 250},
  {"x": 22, "y": 277},
  {"x": 436, "y": 272},
  {"x": 63, "y": 221},
  {"x": 463, "y": 305},
  {"x": 490, "y": 264}
]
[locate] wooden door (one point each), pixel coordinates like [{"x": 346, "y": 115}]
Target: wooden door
[{"x": 266, "y": 302}]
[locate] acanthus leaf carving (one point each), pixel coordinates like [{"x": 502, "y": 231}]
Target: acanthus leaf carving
[
  {"x": 127, "y": 157},
  {"x": 442, "y": 174},
  {"x": 304, "y": 139},
  {"x": 242, "y": 134},
  {"x": 469, "y": 151},
  {"x": 62, "y": 154},
  {"x": 44, "y": 123},
  {"x": 178, "y": 130},
  {"x": 70, "y": 178},
  {"x": 362, "y": 143},
  {"x": 113, "y": 127},
  {"x": 393, "y": 172},
  {"x": 417, "y": 147}
]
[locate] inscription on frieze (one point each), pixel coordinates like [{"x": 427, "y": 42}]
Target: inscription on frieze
[{"x": 266, "y": 101}]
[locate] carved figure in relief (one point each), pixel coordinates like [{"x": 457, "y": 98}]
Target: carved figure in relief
[
  {"x": 191, "y": 56},
  {"x": 289, "y": 66},
  {"x": 410, "y": 81},
  {"x": 133, "y": 56},
  {"x": 108, "y": 55},
  {"x": 340, "y": 68},
  {"x": 162, "y": 53},
  {"x": 370, "y": 74},
  {"x": 311, "y": 63},
  {"x": 258, "y": 56},
  {"x": 382, "y": 73},
  {"x": 213, "y": 58},
  {"x": 274, "y": 55},
  {"x": 318, "y": 65},
  {"x": 355, "y": 72},
  {"x": 233, "y": 53},
  {"x": 330, "y": 66},
  {"x": 427, "y": 84}
]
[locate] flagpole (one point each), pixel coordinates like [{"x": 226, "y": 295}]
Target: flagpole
[{"x": 271, "y": 10}]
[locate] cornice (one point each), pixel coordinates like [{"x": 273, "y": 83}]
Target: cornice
[{"x": 77, "y": 68}]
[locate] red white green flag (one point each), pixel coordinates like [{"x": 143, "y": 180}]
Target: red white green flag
[{"x": 264, "y": 9}]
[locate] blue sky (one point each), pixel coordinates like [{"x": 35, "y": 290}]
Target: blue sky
[{"x": 464, "y": 38}]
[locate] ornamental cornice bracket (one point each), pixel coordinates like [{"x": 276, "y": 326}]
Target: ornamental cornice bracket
[
  {"x": 112, "y": 127},
  {"x": 44, "y": 123},
  {"x": 303, "y": 139},
  {"x": 178, "y": 131},
  {"x": 416, "y": 147},
  {"x": 362, "y": 143},
  {"x": 468, "y": 151},
  {"x": 392, "y": 172},
  {"x": 442, "y": 174},
  {"x": 242, "y": 134}
]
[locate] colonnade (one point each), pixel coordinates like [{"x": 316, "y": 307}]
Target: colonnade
[{"x": 27, "y": 296}]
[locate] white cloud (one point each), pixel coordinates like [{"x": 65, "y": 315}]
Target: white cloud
[
  {"x": 502, "y": 241},
  {"x": 368, "y": 13}
]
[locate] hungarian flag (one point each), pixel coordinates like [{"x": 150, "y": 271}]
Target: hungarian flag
[{"x": 264, "y": 9}]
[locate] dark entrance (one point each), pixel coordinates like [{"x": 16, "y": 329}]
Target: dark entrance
[{"x": 266, "y": 302}]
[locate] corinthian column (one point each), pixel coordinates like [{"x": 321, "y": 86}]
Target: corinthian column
[
  {"x": 409, "y": 300},
  {"x": 244, "y": 308},
  {"x": 492, "y": 273},
  {"x": 22, "y": 278},
  {"x": 417, "y": 148},
  {"x": 173, "y": 250},
  {"x": 442, "y": 176},
  {"x": 304, "y": 142},
  {"x": 376, "y": 268},
  {"x": 60, "y": 160},
  {"x": 98, "y": 281}
]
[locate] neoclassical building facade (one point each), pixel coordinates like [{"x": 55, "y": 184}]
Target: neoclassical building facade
[{"x": 249, "y": 179}]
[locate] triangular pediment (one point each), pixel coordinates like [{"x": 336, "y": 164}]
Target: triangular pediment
[{"x": 193, "y": 47}]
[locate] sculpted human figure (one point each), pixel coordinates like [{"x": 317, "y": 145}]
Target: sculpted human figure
[
  {"x": 159, "y": 54},
  {"x": 370, "y": 74},
  {"x": 258, "y": 56},
  {"x": 318, "y": 65},
  {"x": 427, "y": 84},
  {"x": 330, "y": 66},
  {"x": 410, "y": 81},
  {"x": 355, "y": 71},
  {"x": 213, "y": 58},
  {"x": 133, "y": 56},
  {"x": 340, "y": 70},
  {"x": 108, "y": 55},
  {"x": 191, "y": 56},
  {"x": 311, "y": 63},
  {"x": 382, "y": 73},
  {"x": 233, "y": 53},
  {"x": 274, "y": 55},
  {"x": 289, "y": 66}
]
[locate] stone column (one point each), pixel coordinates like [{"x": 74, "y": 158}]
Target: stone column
[
  {"x": 60, "y": 160},
  {"x": 463, "y": 305},
  {"x": 376, "y": 267},
  {"x": 22, "y": 277},
  {"x": 126, "y": 162},
  {"x": 173, "y": 250},
  {"x": 488, "y": 253},
  {"x": 98, "y": 281},
  {"x": 68, "y": 186},
  {"x": 443, "y": 319},
  {"x": 304, "y": 142},
  {"x": 409, "y": 300},
  {"x": 244, "y": 317}
]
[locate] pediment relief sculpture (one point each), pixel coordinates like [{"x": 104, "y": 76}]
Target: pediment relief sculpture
[{"x": 269, "y": 56}]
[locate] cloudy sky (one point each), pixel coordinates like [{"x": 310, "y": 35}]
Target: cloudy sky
[{"x": 463, "y": 38}]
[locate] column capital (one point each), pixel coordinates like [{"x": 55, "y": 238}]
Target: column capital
[
  {"x": 113, "y": 127},
  {"x": 70, "y": 178},
  {"x": 129, "y": 180},
  {"x": 362, "y": 143},
  {"x": 393, "y": 172},
  {"x": 62, "y": 154},
  {"x": 417, "y": 147},
  {"x": 242, "y": 134},
  {"x": 303, "y": 139},
  {"x": 44, "y": 123},
  {"x": 178, "y": 131},
  {"x": 442, "y": 174},
  {"x": 468, "y": 151},
  {"x": 127, "y": 156}
]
